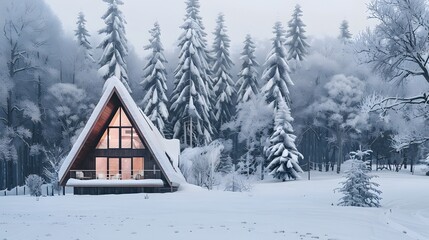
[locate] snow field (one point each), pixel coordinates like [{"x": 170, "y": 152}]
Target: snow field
[{"x": 272, "y": 210}]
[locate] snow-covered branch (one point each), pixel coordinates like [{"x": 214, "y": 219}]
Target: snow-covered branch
[
  {"x": 398, "y": 45},
  {"x": 402, "y": 141},
  {"x": 375, "y": 103}
]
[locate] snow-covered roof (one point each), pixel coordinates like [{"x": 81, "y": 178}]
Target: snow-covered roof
[{"x": 165, "y": 151}]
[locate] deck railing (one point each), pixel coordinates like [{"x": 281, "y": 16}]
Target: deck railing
[{"x": 115, "y": 175}]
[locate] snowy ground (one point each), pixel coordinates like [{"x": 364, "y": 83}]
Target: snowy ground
[{"x": 292, "y": 210}]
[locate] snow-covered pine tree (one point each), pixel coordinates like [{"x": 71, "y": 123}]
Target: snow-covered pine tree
[
  {"x": 223, "y": 84},
  {"x": 358, "y": 189},
  {"x": 114, "y": 45},
  {"x": 247, "y": 83},
  {"x": 296, "y": 39},
  {"x": 345, "y": 35},
  {"x": 154, "y": 83},
  {"x": 82, "y": 36},
  {"x": 276, "y": 73},
  {"x": 191, "y": 109},
  {"x": 282, "y": 152}
]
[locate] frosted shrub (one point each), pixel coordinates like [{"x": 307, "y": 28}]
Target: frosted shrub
[
  {"x": 236, "y": 182},
  {"x": 358, "y": 189},
  {"x": 198, "y": 164},
  {"x": 427, "y": 162},
  {"x": 34, "y": 183}
]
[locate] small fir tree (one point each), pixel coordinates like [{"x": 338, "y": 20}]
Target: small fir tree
[
  {"x": 296, "y": 42},
  {"x": 282, "y": 152},
  {"x": 358, "y": 189},
  {"x": 191, "y": 108},
  {"x": 82, "y": 36},
  {"x": 114, "y": 45},
  {"x": 155, "y": 100},
  {"x": 345, "y": 35},
  {"x": 223, "y": 84},
  {"x": 224, "y": 164},
  {"x": 247, "y": 83},
  {"x": 225, "y": 161},
  {"x": 276, "y": 73}
]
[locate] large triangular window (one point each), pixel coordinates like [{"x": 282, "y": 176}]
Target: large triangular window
[{"x": 120, "y": 134}]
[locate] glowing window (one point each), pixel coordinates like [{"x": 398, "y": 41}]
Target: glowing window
[
  {"x": 114, "y": 168},
  {"x": 126, "y": 168},
  {"x": 137, "y": 143},
  {"x": 126, "y": 136},
  {"x": 120, "y": 134},
  {"x": 102, "y": 144},
  {"x": 113, "y": 137},
  {"x": 116, "y": 119},
  {"x": 125, "y": 122},
  {"x": 101, "y": 167},
  {"x": 138, "y": 167}
]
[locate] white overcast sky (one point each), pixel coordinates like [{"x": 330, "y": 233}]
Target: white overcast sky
[{"x": 256, "y": 17}]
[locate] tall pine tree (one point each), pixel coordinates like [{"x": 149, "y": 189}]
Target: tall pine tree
[
  {"x": 114, "y": 45},
  {"x": 296, "y": 39},
  {"x": 191, "y": 108},
  {"x": 155, "y": 100},
  {"x": 82, "y": 36},
  {"x": 247, "y": 83},
  {"x": 345, "y": 35},
  {"x": 223, "y": 84},
  {"x": 276, "y": 73},
  {"x": 282, "y": 152}
]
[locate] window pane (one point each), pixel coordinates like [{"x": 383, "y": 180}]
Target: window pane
[
  {"x": 126, "y": 168},
  {"x": 114, "y": 168},
  {"x": 113, "y": 137},
  {"x": 101, "y": 167},
  {"x": 126, "y": 138},
  {"x": 115, "y": 120},
  {"x": 138, "y": 167},
  {"x": 102, "y": 144},
  {"x": 137, "y": 143},
  {"x": 125, "y": 122}
]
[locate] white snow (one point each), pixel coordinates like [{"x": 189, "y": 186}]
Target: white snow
[
  {"x": 271, "y": 210},
  {"x": 115, "y": 183}
]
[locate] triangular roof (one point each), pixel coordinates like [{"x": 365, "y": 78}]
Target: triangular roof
[{"x": 162, "y": 149}]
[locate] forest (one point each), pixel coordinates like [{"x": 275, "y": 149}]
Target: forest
[{"x": 293, "y": 103}]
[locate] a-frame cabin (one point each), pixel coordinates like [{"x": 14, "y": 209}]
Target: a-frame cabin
[{"x": 120, "y": 150}]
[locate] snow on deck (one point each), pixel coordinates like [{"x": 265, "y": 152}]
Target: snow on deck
[
  {"x": 114, "y": 183},
  {"x": 272, "y": 210}
]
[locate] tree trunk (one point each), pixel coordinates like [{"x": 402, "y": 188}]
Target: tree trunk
[
  {"x": 4, "y": 183},
  {"x": 184, "y": 133},
  {"x": 340, "y": 151},
  {"x": 190, "y": 132},
  {"x": 248, "y": 157},
  {"x": 7, "y": 165}
]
